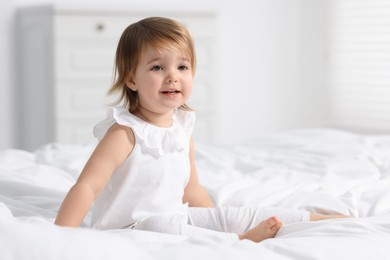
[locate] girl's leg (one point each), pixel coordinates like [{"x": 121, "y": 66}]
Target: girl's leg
[
  {"x": 241, "y": 219},
  {"x": 316, "y": 216},
  {"x": 175, "y": 225}
]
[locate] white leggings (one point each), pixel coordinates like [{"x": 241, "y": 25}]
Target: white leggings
[{"x": 223, "y": 222}]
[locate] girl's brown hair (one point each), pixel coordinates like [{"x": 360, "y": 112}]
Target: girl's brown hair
[{"x": 156, "y": 32}]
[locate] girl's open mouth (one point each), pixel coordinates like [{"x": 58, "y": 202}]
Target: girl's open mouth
[{"x": 170, "y": 92}]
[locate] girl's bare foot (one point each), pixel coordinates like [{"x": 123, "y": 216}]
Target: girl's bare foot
[{"x": 264, "y": 230}]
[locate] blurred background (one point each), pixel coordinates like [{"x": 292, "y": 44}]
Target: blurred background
[{"x": 280, "y": 64}]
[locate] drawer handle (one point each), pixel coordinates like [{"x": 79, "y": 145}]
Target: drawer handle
[{"x": 100, "y": 27}]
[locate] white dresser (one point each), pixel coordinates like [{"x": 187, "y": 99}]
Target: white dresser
[{"x": 65, "y": 67}]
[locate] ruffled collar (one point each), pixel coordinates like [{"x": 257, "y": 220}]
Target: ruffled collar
[{"x": 158, "y": 140}]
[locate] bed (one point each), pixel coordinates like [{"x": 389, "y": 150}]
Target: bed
[{"x": 323, "y": 170}]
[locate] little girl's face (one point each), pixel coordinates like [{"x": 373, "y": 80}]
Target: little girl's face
[{"x": 163, "y": 79}]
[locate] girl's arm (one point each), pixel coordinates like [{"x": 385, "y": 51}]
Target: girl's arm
[
  {"x": 111, "y": 151},
  {"x": 194, "y": 193}
]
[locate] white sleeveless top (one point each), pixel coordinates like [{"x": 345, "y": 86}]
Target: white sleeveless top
[{"x": 152, "y": 179}]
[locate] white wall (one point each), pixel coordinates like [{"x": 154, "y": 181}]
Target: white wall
[
  {"x": 271, "y": 55},
  {"x": 273, "y": 68}
]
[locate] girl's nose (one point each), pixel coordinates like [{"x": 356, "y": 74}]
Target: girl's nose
[{"x": 172, "y": 78}]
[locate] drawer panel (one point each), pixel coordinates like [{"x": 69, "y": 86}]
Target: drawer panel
[
  {"x": 111, "y": 26},
  {"x": 81, "y": 101},
  {"x": 84, "y": 58},
  {"x": 88, "y": 26},
  {"x": 82, "y": 134}
]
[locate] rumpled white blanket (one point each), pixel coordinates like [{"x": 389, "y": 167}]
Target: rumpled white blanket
[{"x": 321, "y": 170}]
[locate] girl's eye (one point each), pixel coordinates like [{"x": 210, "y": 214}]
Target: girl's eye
[
  {"x": 157, "y": 67},
  {"x": 183, "y": 67}
]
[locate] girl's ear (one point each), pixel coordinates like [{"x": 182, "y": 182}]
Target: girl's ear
[{"x": 130, "y": 83}]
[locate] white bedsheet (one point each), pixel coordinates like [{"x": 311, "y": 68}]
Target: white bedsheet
[{"x": 322, "y": 170}]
